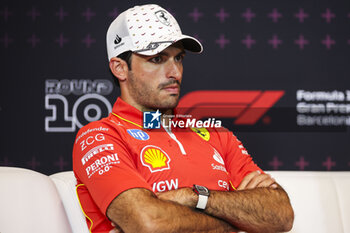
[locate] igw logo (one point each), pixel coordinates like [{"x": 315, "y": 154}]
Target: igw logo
[{"x": 246, "y": 106}]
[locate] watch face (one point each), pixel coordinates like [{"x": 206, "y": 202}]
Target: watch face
[{"x": 202, "y": 190}]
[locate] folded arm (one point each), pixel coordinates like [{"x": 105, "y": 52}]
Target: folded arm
[
  {"x": 258, "y": 205},
  {"x": 253, "y": 210},
  {"x": 139, "y": 210}
]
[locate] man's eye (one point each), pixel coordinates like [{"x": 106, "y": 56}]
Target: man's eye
[
  {"x": 179, "y": 58},
  {"x": 157, "y": 59}
]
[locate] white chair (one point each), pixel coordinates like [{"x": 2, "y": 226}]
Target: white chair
[
  {"x": 65, "y": 183},
  {"x": 29, "y": 202},
  {"x": 321, "y": 200}
]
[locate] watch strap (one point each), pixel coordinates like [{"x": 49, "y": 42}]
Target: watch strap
[{"x": 202, "y": 202}]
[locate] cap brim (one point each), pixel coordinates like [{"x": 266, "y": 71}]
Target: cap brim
[{"x": 190, "y": 43}]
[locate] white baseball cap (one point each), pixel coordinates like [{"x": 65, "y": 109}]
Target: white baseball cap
[{"x": 146, "y": 30}]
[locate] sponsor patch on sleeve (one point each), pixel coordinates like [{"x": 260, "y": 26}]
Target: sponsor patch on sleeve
[
  {"x": 138, "y": 134},
  {"x": 102, "y": 165},
  {"x": 202, "y": 132}
]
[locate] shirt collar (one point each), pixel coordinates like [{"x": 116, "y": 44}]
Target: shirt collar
[{"x": 128, "y": 113}]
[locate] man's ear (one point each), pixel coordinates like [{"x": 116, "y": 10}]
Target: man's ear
[{"x": 119, "y": 68}]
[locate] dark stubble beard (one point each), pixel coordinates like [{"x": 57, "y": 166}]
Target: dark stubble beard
[{"x": 145, "y": 97}]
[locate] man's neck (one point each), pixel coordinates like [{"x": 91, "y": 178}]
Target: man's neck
[{"x": 166, "y": 112}]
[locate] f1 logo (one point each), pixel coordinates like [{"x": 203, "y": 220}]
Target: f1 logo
[
  {"x": 246, "y": 106},
  {"x": 151, "y": 120}
]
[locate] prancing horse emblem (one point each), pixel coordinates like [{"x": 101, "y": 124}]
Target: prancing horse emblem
[{"x": 163, "y": 17}]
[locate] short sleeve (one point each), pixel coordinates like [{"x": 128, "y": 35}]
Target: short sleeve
[
  {"x": 237, "y": 160},
  {"x": 102, "y": 162}
]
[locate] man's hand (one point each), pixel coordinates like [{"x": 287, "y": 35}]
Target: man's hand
[
  {"x": 257, "y": 180},
  {"x": 116, "y": 229},
  {"x": 236, "y": 207},
  {"x": 186, "y": 196}
]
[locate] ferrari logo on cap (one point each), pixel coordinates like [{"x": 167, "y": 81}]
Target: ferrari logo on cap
[
  {"x": 154, "y": 158},
  {"x": 163, "y": 17}
]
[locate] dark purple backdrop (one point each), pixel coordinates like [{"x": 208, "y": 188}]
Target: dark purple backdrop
[{"x": 248, "y": 45}]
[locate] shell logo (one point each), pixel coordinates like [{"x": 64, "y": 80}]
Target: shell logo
[{"x": 154, "y": 158}]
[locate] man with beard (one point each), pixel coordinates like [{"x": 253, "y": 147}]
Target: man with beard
[{"x": 171, "y": 179}]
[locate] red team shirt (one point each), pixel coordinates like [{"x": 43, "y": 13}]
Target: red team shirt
[{"x": 115, "y": 154}]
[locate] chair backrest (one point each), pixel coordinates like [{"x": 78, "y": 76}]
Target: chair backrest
[
  {"x": 29, "y": 202},
  {"x": 321, "y": 200},
  {"x": 65, "y": 183}
]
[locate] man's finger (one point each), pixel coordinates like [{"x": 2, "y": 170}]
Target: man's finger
[
  {"x": 247, "y": 179},
  {"x": 256, "y": 180},
  {"x": 115, "y": 231},
  {"x": 267, "y": 183}
]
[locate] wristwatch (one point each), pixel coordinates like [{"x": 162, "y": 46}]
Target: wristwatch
[{"x": 203, "y": 195}]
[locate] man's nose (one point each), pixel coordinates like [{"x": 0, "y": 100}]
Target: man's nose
[{"x": 174, "y": 70}]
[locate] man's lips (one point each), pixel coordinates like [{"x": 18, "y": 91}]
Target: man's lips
[{"x": 174, "y": 89}]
